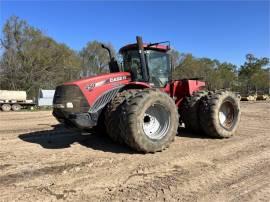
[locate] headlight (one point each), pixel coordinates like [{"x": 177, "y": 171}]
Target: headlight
[{"x": 69, "y": 105}]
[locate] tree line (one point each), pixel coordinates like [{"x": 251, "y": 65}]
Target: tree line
[
  {"x": 251, "y": 77},
  {"x": 31, "y": 60}
]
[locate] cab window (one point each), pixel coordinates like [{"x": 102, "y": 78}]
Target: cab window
[{"x": 159, "y": 67}]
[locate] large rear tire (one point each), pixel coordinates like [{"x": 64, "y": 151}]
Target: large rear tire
[
  {"x": 112, "y": 115},
  {"x": 220, "y": 114},
  {"x": 149, "y": 121},
  {"x": 189, "y": 111}
]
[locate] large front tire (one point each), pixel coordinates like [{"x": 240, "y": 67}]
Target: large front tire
[
  {"x": 149, "y": 121},
  {"x": 220, "y": 114},
  {"x": 112, "y": 115}
]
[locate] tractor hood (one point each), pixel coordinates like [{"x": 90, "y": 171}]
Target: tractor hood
[
  {"x": 79, "y": 103},
  {"x": 94, "y": 86}
]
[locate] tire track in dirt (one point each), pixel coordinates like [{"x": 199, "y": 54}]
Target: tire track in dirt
[
  {"x": 193, "y": 168},
  {"x": 249, "y": 188},
  {"x": 23, "y": 118},
  {"x": 30, "y": 173},
  {"x": 202, "y": 164},
  {"x": 229, "y": 175},
  {"x": 141, "y": 169},
  {"x": 202, "y": 176},
  {"x": 195, "y": 152}
]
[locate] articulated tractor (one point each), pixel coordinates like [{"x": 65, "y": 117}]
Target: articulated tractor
[{"x": 140, "y": 105}]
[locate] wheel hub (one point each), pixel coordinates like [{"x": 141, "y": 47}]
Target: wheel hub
[
  {"x": 156, "y": 122},
  {"x": 226, "y": 115}
]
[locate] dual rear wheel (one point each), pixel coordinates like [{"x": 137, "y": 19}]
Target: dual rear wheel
[
  {"x": 215, "y": 114},
  {"x": 219, "y": 114}
]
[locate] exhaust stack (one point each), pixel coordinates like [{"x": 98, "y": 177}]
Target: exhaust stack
[{"x": 142, "y": 57}]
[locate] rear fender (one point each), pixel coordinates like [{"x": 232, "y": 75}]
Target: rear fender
[{"x": 181, "y": 88}]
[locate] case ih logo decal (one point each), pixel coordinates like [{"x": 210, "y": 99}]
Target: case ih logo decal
[
  {"x": 100, "y": 83},
  {"x": 119, "y": 78}
]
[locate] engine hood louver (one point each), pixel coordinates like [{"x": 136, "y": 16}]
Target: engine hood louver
[{"x": 103, "y": 100}]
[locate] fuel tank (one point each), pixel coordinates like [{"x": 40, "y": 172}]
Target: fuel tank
[{"x": 79, "y": 103}]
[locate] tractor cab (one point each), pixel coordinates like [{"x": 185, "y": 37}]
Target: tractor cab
[
  {"x": 156, "y": 69},
  {"x": 148, "y": 63}
]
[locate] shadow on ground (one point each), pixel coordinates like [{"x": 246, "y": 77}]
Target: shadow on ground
[
  {"x": 59, "y": 137},
  {"x": 182, "y": 132}
]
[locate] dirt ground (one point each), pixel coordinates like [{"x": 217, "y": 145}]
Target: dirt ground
[{"x": 41, "y": 161}]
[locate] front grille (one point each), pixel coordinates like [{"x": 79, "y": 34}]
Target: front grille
[
  {"x": 71, "y": 93},
  {"x": 65, "y": 91},
  {"x": 103, "y": 100}
]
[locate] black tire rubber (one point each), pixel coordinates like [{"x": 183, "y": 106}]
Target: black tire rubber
[
  {"x": 112, "y": 115},
  {"x": 132, "y": 117},
  {"x": 6, "y": 107},
  {"x": 100, "y": 128},
  {"x": 189, "y": 111},
  {"x": 16, "y": 107},
  {"x": 209, "y": 113}
]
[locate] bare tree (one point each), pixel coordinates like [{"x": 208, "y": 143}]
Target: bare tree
[
  {"x": 32, "y": 60},
  {"x": 95, "y": 59}
]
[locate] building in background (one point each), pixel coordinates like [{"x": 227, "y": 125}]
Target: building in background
[{"x": 45, "y": 98}]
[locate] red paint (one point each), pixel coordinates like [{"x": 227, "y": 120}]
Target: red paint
[
  {"x": 139, "y": 85},
  {"x": 93, "y": 94},
  {"x": 177, "y": 89},
  {"x": 162, "y": 48}
]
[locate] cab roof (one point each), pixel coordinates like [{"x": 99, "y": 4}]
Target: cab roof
[{"x": 162, "y": 48}]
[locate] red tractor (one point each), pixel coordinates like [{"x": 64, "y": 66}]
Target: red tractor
[{"x": 140, "y": 105}]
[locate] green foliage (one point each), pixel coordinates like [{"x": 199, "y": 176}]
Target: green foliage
[
  {"x": 175, "y": 57},
  {"x": 254, "y": 74},
  {"x": 95, "y": 59},
  {"x": 32, "y": 60},
  {"x": 225, "y": 76},
  {"x": 217, "y": 75}
]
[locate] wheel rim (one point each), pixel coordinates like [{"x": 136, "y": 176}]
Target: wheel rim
[
  {"x": 156, "y": 122},
  {"x": 6, "y": 107},
  {"x": 16, "y": 107},
  {"x": 226, "y": 115}
]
